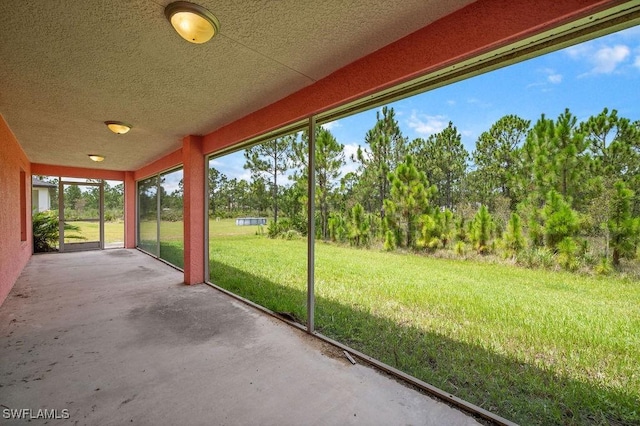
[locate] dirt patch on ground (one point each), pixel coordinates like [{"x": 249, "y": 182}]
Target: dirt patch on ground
[
  {"x": 190, "y": 318},
  {"x": 119, "y": 253}
]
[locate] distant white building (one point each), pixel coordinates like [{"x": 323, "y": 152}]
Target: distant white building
[{"x": 40, "y": 195}]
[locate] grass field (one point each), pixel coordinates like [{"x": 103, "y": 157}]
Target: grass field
[
  {"x": 535, "y": 346},
  {"x": 113, "y": 231},
  {"x": 171, "y": 245}
]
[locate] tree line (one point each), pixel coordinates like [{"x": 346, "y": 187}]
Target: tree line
[
  {"x": 557, "y": 188},
  {"x": 81, "y": 204}
]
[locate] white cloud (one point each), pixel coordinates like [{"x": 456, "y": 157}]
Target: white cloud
[
  {"x": 637, "y": 62},
  {"x": 551, "y": 76},
  {"x": 331, "y": 125},
  {"x": 607, "y": 59},
  {"x": 424, "y": 124},
  {"x": 602, "y": 59},
  {"x": 451, "y": 102},
  {"x": 555, "y": 78}
]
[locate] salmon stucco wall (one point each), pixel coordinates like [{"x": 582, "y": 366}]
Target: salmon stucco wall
[
  {"x": 77, "y": 172},
  {"x": 15, "y": 247},
  {"x": 165, "y": 163}
]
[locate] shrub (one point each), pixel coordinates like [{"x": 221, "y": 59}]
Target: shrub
[
  {"x": 171, "y": 215},
  {"x": 429, "y": 233},
  {"x": 461, "y": 233},
  {"x": 290, "y": 234},
  {"x": 513, "y": 238},
  {"x": 567, "y": 254},
  {"x": 113, "y": 215},
  {"x": 337, "y": 227},
  {"x": 588, "y": 258},
  {"x": 273, "y": 229},
  {"x": 604, "y": 267},
  {"x": 46, "y": 231},
  {"x": 285, "y": 228},
  {"x": 390, "y": 241},
  {"x": 536, "y": 257}
]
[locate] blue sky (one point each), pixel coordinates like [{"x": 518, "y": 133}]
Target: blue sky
[{"x": 585, "y": 78}]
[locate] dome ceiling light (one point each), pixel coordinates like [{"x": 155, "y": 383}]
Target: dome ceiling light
[
  {"x": 96, "y": 157},
  {"x": 118, "y": 127},
  {"x": 194, "y": 23}
]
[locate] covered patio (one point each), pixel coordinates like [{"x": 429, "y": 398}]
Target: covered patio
[{"x": 114, "y": 337}]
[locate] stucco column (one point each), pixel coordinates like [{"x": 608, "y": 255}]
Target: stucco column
[
  {"x": 193, "y": 183},
  {"x": 129, "y": 210}
]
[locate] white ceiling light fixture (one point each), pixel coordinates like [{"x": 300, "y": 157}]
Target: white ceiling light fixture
[
  {"x": 118, "y": 127},
  {"x": 193, "y": 22},
  {"x": 96, "y": 157}
]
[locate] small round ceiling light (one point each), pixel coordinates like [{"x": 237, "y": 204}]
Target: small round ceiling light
[
  {"x": 96, "y": 157},
  {"x": 118, "y": 127},
  {"x": 194, "y": 23}
]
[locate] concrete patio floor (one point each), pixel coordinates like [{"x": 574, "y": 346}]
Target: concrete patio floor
[{"x": 114, "y": 337}]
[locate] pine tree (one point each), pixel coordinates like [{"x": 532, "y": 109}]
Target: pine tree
[
  {"x": 408, "y": 200},
  {"x": 614, "y": 143},
  {"x": 429, "y": 233},
  {"x": 436, "y": 229},
  {"x": 567, "y": 253},
  {"x": 337, "y": 227},
  {"x": 270, "y": 160},
  {"x": 513, "y": 238},
  {"x": 554, "y": 157},
  {"x": 496, "y": 157},
  {"x": 359, "y": 226},
  {"x": 621, "y": 225},
  {"x": 481, "y": 231},
  {"x": 329, "y": 158},
  {"x": 560, "y": 221},
  {"x": 217, "y": 181},
  {"x": 390, "y": 240},
  {"x": 443, "y": 159},
  {"x": 569, "y": 157},
  {"x": 386, "y": 147}
]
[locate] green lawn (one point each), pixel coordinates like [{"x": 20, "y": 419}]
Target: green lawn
[
  {"x": 535, "y": 346},
  {"x": 113, "y": 231},
  {"x": 171, "y": 244}
]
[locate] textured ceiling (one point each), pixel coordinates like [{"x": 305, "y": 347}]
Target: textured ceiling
[{"x": 68, "y": 66}]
